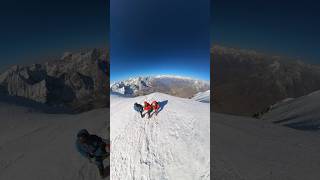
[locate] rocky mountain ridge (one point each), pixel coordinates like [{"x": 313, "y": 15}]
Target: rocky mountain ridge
[
  {"x": 76, "y": 80},
  {"x": 174, "y": 85},
  {"x": 246, "y": 82}
]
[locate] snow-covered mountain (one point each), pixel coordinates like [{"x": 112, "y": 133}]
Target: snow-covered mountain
[
  {"x": 174, "y": 85},
  {"x": 202, "y": 96},
  {"x": 300, "y": 113},
  {"x": 175, "y": 144}
]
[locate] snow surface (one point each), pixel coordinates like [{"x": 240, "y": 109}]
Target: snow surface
[
  {"x": 202, "y": 96},
  {"x": 248, "y": 149},
  {"x": 39, "y": 146},
  {"x": 300, "y": 113},
  {"x": 175, "y": 144}
]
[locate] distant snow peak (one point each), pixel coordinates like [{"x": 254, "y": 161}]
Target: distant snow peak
[{"x": 170, "y": 84}]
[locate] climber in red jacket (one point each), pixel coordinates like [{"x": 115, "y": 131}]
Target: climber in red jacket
[
  {"x": 147, "y": 107},
  {"x": 155, "y": 106}
]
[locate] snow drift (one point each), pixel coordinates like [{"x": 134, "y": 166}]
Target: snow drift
[
  {"x": 249, "y": 149},
  {"x": 300, "y": 113},
  {"x": 175, "y": 144},
  {"x": 202, "y": 96}
]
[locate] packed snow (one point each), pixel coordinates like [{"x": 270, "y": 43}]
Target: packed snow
[
  {"x": 175, "y": 144},
  {"x": 39, "y": 146},
  {"x": 202, "y": 96},
  {"x": 250, "y": 149},
  {"x": 300, "y": 113},
  {"x": 282, "y": 145}
]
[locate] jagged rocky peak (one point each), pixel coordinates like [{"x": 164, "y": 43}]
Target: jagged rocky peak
[{"x": 77, "y": 80}]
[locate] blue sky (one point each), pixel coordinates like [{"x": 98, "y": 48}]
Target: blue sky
[
  {"x": 150, "y": 37},
  {"x": 164, "y": 36},
  {"x": 175, "y": 67},
  {"x": 34, "y": 29},
  {"x": 289, "y": 28}
]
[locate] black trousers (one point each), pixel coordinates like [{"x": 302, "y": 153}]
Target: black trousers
[{"x": 101, "y": 155}]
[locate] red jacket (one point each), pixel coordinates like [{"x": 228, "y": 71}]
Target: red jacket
[
  {"x": 155, "y": 105},
  {"x": 147, "y": 106}
]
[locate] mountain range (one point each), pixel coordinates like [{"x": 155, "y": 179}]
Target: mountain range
[
  {"x": 174, "y": 85},
  {"x": 246, "y": 82},
  {"x": 77, "y": 81}
]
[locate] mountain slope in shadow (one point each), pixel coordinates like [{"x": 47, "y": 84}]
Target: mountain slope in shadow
[{"x": 246, "y": 82}]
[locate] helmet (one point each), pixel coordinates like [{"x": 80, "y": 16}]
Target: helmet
[{"x": 83, "y": 133}]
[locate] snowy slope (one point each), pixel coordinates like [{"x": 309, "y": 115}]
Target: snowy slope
[
  {"x": 40, "y": 146},
  {"x": 202, "y": 96},
  {"x": 175, "y": 144},
  {"x": 300, "y": 113},
  {"x": 249, "y": 149}
]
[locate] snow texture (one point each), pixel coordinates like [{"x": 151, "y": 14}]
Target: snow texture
[
  {"x": 175, "y": 144},
  {"x": 41, "y": 146},
  {"x": 300, "y": 113},
  {"x": 248, "y": 149},
  {"x": 283, "y": 145},
  {"x": 202, "y": 96}
]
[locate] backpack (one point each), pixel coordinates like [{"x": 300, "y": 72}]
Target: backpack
[{"x": 137, "y": 107}]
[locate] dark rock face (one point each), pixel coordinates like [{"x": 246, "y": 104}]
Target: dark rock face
[
  {"x": 79, "y": 81},
  {"x": 246, "y": 82}
]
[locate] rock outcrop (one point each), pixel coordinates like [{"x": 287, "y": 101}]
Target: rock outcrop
[{"x": 77, "y": 80}]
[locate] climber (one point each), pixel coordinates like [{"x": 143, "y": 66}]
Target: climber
[
  {"x": 93, "y": 147},
  {"x": 155, "y": 106},
  {"x": 139, "y": 108},
  {"x": 148, "y": 108}
]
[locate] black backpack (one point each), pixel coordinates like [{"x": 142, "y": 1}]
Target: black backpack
[{"x": 137, "y": 107}]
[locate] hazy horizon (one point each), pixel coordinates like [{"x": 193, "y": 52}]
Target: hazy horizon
[{"x": 154, "y": 75}]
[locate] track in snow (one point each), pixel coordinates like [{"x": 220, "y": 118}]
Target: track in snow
[{"x": 175, "y": 144}]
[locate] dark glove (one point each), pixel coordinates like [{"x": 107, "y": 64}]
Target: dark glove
[
  {"x": 103, "y": 145},
  {"x": 90, "y": 155},
  {"x": 90, "y": 160}
]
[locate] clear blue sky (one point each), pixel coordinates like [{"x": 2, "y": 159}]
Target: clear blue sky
[
  {"x": 284, "y": 27},
  {"x": 150, "y": 37},
  {"x": 35, "y": 28}
]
